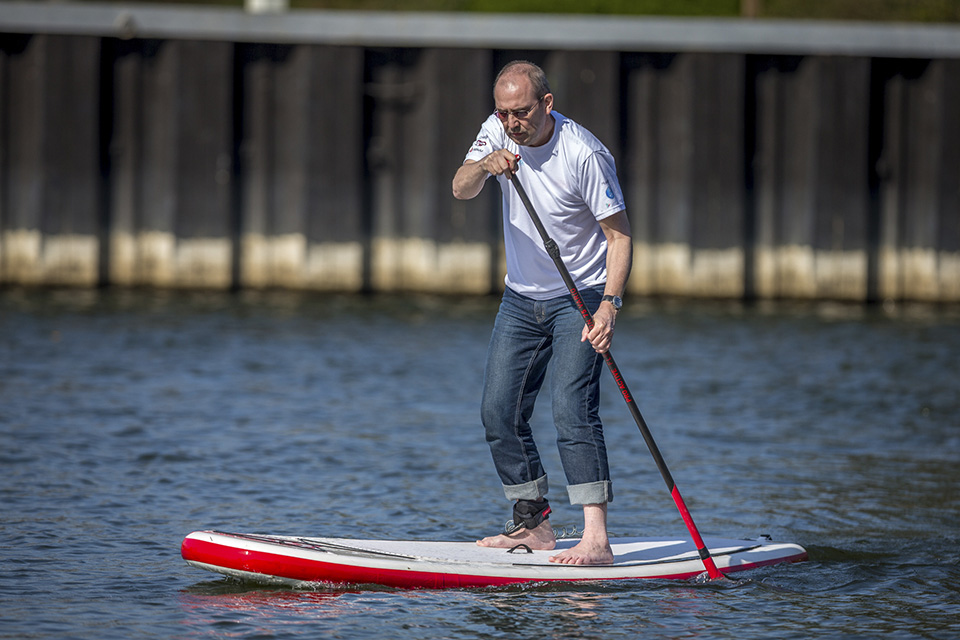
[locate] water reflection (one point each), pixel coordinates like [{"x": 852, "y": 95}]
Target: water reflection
[{"x": 234, "y": 610}]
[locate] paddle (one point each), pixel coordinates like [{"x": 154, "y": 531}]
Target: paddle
[{"x": 554, "y": 251}]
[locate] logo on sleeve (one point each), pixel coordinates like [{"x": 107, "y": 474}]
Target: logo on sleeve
[{"x": 478, "y": 145}]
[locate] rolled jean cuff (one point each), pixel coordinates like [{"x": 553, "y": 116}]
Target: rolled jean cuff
[
  {"x": 528, "y": 490},
  {"x": 591, "y": 492}
]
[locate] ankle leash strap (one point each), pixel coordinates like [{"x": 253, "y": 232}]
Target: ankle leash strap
[{"x": 530, "y": 513}]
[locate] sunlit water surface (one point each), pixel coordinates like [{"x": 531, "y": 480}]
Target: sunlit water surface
[{"x": 130, "y": 419}]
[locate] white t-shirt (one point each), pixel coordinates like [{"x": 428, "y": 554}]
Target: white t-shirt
[{"x": 572, "y": 183}]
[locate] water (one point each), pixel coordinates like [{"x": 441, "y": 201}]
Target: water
[{"x": 130, "y": 419}]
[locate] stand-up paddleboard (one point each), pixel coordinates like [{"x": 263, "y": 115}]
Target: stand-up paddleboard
[{"x": 302, "y": 561}]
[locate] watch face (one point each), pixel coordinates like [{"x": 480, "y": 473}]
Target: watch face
[{"x": 615, "y": 301}]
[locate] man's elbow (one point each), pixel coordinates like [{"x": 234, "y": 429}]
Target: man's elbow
[{"x": 463, "y": 191}]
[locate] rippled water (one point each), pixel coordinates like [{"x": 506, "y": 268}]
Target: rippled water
[{"x": 130, "y": 419}]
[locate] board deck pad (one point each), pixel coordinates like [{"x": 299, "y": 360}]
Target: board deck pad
[{"x": 303, "y": 561}]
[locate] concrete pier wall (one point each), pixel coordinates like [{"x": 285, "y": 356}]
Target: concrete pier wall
[{"x": 208, "y": 148}]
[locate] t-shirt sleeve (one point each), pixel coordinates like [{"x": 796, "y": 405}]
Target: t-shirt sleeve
[
  {"x": 599, "y": 185},
  {"x": 487, "y": 140}
]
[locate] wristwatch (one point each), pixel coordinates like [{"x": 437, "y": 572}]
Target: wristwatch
[{"x": 614, "y": 300}]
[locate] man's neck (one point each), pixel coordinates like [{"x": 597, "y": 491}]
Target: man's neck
[{"x": 547, "y": 133}]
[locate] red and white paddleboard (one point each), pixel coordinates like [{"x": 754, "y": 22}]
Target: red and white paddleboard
[{"x": 303, "y": 561}]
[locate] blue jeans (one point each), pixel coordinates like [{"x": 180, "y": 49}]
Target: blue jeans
[{"x": 527, "y": 335}]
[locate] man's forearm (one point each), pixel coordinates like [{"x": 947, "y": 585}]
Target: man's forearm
[
  {"x": 469, "y": 180},
  {"x": 619, "y": 253}
]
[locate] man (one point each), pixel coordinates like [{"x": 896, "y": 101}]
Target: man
[{"x": 571, "y": 180}]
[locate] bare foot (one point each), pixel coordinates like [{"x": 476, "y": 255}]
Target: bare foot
[
  {"x": 594, "y": 546},
  {"x": 540, "y": 538},
  {"x": 586, "y": 552}
]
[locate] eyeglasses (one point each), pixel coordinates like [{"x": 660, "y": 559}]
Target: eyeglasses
[{"x": 519, "y": 114}]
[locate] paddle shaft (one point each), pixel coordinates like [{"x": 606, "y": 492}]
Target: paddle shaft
[{"x": 554, "y": 251}]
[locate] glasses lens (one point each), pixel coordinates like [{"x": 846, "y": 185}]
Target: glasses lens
[{"x": 519, "y": 114}]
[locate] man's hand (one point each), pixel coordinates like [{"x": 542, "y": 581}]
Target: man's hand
[
  {"x": 471, "y": 175},
  {"x": 604, "y": 321},
  {"x": 499, "y": 162}
]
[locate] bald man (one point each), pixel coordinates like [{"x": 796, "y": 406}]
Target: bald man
[{"x": 571, "y": 179}]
